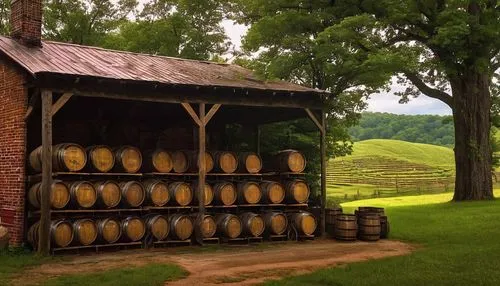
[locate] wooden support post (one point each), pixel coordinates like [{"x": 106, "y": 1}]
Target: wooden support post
[
  {"x": 202, "y": 172},
  {"x": 44, "y": 230},
  {"x": 323, "y": 172}
]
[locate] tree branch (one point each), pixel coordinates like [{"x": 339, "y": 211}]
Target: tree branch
[{"x": 429, "y": 91}]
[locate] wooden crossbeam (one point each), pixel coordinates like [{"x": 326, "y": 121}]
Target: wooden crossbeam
[
  {"x": 191, "y": 112},
  {"x": 31, "y": 104},
  {"x": 212, "y": 112},
  {"x": 315, "y": 120},
  {"x": 60, "y": 102}
]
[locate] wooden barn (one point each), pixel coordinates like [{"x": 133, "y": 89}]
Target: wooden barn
[{"x": 53, "y": 93}]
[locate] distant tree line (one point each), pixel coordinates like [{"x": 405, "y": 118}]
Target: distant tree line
[{"x": 429, "y": 129}]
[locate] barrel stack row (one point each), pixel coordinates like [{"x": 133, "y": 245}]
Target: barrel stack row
[
  {"x": 69, "y": 157},
  {"x": 157, "y": 227},
  {"x": 158, "y": 193},
  {"x": 368, "y": 224}
]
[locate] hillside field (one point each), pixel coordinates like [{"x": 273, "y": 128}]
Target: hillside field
[{"x": 382, "y": 168}]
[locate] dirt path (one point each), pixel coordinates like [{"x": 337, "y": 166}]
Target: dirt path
[{"x": 236, "y": 265}]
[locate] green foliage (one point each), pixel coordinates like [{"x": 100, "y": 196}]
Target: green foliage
[
  {"x": 148, "y": 275},
  {"x": 456, "y": 244},
  {"x": 4, "y": 17},
  {"x": 429, "y": 129}
]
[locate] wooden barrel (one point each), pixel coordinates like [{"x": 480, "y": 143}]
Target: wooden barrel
[
  {"x": 156, "y": 192},
  {"x": 249, "y": 162},
  {"x": 228, "y": 225},
  {"x": 225, "y": 193},
  {"x": 133, "y": 228},
  {"x": 370, "y": 210},
  {"x": 253, "y": 224},
  {"x": 59, "y": 195},
  {"x": 208, "y": 225},
  {"x": 101, "y": 158},
  {"x": 369, "y": 227},
  {"x": 157, "y": 226},
  {"x": 181, "y": 226},
  {"x": 346, "y": 227},
  {"x": 226, "y": 161},
  {"x": 208, "y": 191},
  {"x": 276, "y": 223},
  {"x": 128, "y": 159},
  {"x": 84, "y": 231},
  {"x": 159, "y": 161},
  {"x": 108, "y": 194},
  {"x": 272, "y": 192},
  {"x": 209, "y": 161},
  {"x": 331, "y": 214},
  {"x": 133, "y": 193},
  {"x": 290, "y": 161},
  {"x": 304, "y": 222},
  {"x": 61, "y": 233},
  {"x": 181, "y": 193},
  {"x": 109, "y": 230},
  {"x": 180, "y": 161},
  {"x": 249, "y": 192},
  {"x": 297, "y": 191},
  {"x": 83, "y": 194},
  {"x": 66, "y": 157},
  {"x": 384, "y": 227}
]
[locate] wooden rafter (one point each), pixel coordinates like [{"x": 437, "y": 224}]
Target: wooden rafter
[
  {"x": 60, "y": 102},
  {"x": 31, "y": 104},
  {"x": 192, "y": 113},
  {"x": 212, "y": 112},
  {"x": 320, "y": 126}
]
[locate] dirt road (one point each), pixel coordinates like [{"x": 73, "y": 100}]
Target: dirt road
[{"x": 227, "y": 265}]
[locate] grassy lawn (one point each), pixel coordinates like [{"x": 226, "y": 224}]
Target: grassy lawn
[
  {"x": 12, "y": 262},
  {"x": 459, "y": 244},
  {"x": 148, "y": 275}
]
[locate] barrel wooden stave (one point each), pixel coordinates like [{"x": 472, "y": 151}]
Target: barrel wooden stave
[
  {"x": 252, "y": 224},
  {"x": 181, "y": 226},
  {"x": 297, "y": 191},
  {"x": 290, "y": 161},
  {"x": 208, "y": 225},
  {"x": 226, "y": 161},
  {"x": 369, "y": 227},
  {"x": 276, "y": 223},
  {"x": 228, "y": 225},
  {"x": 133, "y": 194},
  {"x": 209, "y": 161},
  {"x": 133, "y": 228},
  {"x": 59, "y": 195},
  {"x": 181, "y": 161},
  {"x": 100, "y": 158},
  {"x": 346, "y": 227},
  {"x": 249, "y": 192},
  {"x": 273, "y": 192},
  {"x": 159, "y": 160},
  {"x": 157, "y": 193},
  {"x": 83, "y": 194},
  {"x": 208, "y": 193},
  {"x": 109, "y": 230},
  {"x": 128, "y": 159},
  {"x": 181, "y": 193},
  {"x": 61, "y": 233},
  {"x": 249, "y": 162},
  {"x": 108, "y": 194},
  {"x": 157, "y": 225},
  {"x": 66, "y": 157},
  {"x": 225, "y": 193}
]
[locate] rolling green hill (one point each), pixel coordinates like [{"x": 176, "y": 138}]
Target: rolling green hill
[{"x": 383, "y": 168}]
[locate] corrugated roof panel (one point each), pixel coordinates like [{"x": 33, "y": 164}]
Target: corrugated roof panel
[{"x": 69, "y": 59}]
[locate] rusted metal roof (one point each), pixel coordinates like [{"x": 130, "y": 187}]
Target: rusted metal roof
[{"x": 77, "y": 60}]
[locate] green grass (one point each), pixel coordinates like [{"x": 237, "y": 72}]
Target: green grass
[
  {"x": 148, "y": 275},
  {"x": 457, "y": 244},
  {"x": 15, "y": 261}
]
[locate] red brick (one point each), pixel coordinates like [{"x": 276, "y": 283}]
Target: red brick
[{"x": 26, "y": 21}]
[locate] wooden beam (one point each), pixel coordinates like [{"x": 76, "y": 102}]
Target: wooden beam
[
  {"x": 31, "y": 104},
  {"x": 192, "y": 113},
  {"x": 44, "y": 230},
  {"x": 212, "y": 112},
  {"x": 202, "y": 173},
  {"x": 61, "y": 102},
  {"x": 315, "y": 120},
  {"x": 323, "y": 174}
]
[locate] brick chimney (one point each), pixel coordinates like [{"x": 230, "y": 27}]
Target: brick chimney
[{"x": 26, "y": 21}]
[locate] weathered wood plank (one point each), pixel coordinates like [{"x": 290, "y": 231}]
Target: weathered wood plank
[
  {"x": 315, "y": 120},
  {"x": 202, "y": 173},
  {"x": 211, "y": 113},
  {"x": 44, "y": 231},
  {"x": 61, "y": 102},
  {"x": 192, "y": 113}
]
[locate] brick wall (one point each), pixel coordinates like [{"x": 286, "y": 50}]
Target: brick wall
[
  {"x": 13, "y": 105},
  {"x": 26, "y": 21}
]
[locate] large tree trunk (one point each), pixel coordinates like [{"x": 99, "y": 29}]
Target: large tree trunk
[{"x": 471, "y": 114}]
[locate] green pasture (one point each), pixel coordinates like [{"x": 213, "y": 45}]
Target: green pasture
[{"x": 456, "y": 244}]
